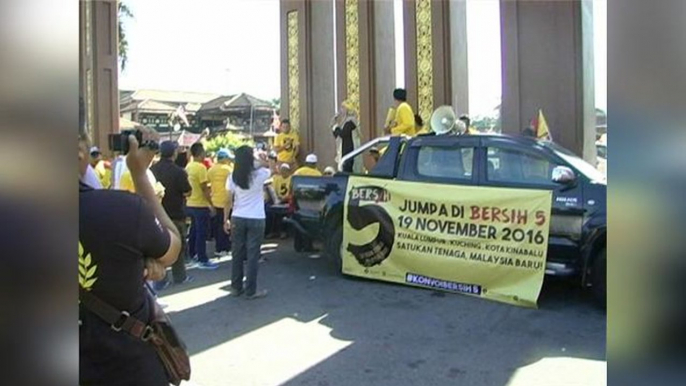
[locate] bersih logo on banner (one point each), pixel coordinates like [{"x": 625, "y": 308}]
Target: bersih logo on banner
[{"x": 485, "y": 242}]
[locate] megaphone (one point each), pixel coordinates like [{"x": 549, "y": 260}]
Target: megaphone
[{"x": 443, "y": 120}]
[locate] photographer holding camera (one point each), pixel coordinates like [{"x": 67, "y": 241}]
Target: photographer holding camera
[{"x": 124, "y": 239}]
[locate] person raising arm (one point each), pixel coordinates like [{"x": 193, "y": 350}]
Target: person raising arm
[
  {"x": 245, "y": 202},
  {"x": 137, "y": 160}
]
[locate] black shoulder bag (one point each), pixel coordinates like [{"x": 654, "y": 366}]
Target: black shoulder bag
[{"x": 159, "y": 333}]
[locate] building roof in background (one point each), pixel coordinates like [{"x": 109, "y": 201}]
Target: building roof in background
[
  {"x": 153, "y": 106},
  {"x": 240, "y": 101},
  {"x": 125, "y": 124},
  {"x": 176, "y": 97}
]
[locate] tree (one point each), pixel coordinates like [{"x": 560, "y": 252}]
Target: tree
[
  {"x": 123, "y": 12},
  {"x": 228, "y": 140},
  {"x": 276, "y": 102},
  {"x": 488, "y": 123}
]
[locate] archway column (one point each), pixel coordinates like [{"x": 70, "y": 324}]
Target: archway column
[
  {"x": 547, "y": 63},
  {"x": 98, "y": 69},
  {"x": 428, "y": 59}
]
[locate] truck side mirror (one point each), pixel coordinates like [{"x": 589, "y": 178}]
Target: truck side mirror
[{"x": 563, "y": 175}]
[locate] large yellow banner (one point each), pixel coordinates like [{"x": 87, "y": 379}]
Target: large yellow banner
[{"x": 480, "y": 241}]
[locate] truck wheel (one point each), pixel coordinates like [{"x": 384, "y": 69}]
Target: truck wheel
[
  {"x": 333, "y": 248},
  {"x": 599, "y": 278}
]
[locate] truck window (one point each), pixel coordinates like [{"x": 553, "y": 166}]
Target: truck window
[
  {"x": 445, "y": 162},
  {"x": 515, "y": 166},
  {"x": 366, "y": 160}
]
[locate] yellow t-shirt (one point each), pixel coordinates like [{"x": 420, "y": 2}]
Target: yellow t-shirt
[
  {"x": 104, "y": 174},
  {"x": 289, "y": 142},
  {"x": 217, "y": 175},
  {"x": 404, "y": 118},
  {"x": 126, "y": 183},
  {"x": 282, "y": 186},
  {"x": 197, "y": 176},
  {"x": 307, "y": 171}
]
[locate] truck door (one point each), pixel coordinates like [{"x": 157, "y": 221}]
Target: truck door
[{"x": 514, "y": 165}]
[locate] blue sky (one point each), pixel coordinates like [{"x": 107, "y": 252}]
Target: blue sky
[{"x": 230, "y": 46}]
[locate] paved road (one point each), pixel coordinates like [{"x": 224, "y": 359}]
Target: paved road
[{"x": 321, "y": 329}]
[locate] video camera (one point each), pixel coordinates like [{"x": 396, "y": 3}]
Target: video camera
[{"x": 120, "y": 142}]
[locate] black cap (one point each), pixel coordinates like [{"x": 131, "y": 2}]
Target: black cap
[
  {"x": 400, "y": 94},
  {"x": 167, "y": 148}
]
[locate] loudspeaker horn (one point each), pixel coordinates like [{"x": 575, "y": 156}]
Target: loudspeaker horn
[{"x": 443, "y": 120}]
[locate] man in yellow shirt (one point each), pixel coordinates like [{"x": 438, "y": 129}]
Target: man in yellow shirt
[
  {"x": 404, "y": 116},
  {"x": 282, "y": 182},
  {"x": 467, "y": 124},
  {"x": 101, "y": 170},
  {"x": 217, "y": 175},
  {"x": 199, "y": 206},
  {"x": 287, "y": 144},
  {"x": 310, "y": 167},
  {"x": 126, "y": 183}
]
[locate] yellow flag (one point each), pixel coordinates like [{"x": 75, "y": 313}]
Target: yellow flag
[
  {"x": 390, "y": 116},
  {"x": 542, "y": 127}
]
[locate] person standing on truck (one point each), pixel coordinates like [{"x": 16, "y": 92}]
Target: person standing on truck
[
  {"x": 469, "y": 129},
  {"x": 286, "y": 144},
  {"x": 245, "y": 202},
  {"x": 419, "y": 126},
  {"x": 345, "y": 131},
  {"x": 310, "y": 167},
  {"x": 404, "y": 122}
]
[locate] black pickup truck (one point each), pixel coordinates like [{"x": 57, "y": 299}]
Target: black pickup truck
[{"x": 577, "y": 241}]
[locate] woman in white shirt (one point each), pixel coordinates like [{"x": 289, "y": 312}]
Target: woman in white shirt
[{"x": 245, "y": 202}]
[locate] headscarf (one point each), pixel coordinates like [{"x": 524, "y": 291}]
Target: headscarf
[{"x": 351, "y": 107}]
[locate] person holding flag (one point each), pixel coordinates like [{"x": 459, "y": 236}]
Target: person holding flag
[{"x": 540, "y": 127}]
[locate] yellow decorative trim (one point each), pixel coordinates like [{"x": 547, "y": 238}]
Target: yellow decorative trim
[
  {"x": 352, "y": 52},
  {"x": 90, "y": 105},
  {"x": 89, "y": 28},
  {"x": 425, "y": 94},
  {"x": 293, "y": 72},
  {"x": 87, "y": 270}
]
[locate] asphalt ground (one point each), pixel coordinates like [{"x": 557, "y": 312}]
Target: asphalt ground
[{"x": 317, "y": 327}]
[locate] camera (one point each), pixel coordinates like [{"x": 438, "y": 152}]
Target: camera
[{"x": 120, "y": 142}]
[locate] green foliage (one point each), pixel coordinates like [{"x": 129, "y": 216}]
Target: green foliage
[
  {"x": 276, "y": 102},
  {"x": 483, "y": 124},
  {"x": 227, "y": 140},
  {"x": 488, "y": 123},
  {"x": 123, "y": 12}
]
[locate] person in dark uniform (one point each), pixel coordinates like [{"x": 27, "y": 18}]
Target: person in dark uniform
[{"x": 124, "y": 239}]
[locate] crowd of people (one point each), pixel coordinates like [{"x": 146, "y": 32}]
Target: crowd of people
[
  {"x": 155, "y": 207},
  {"x": 196, "y": 192}
]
